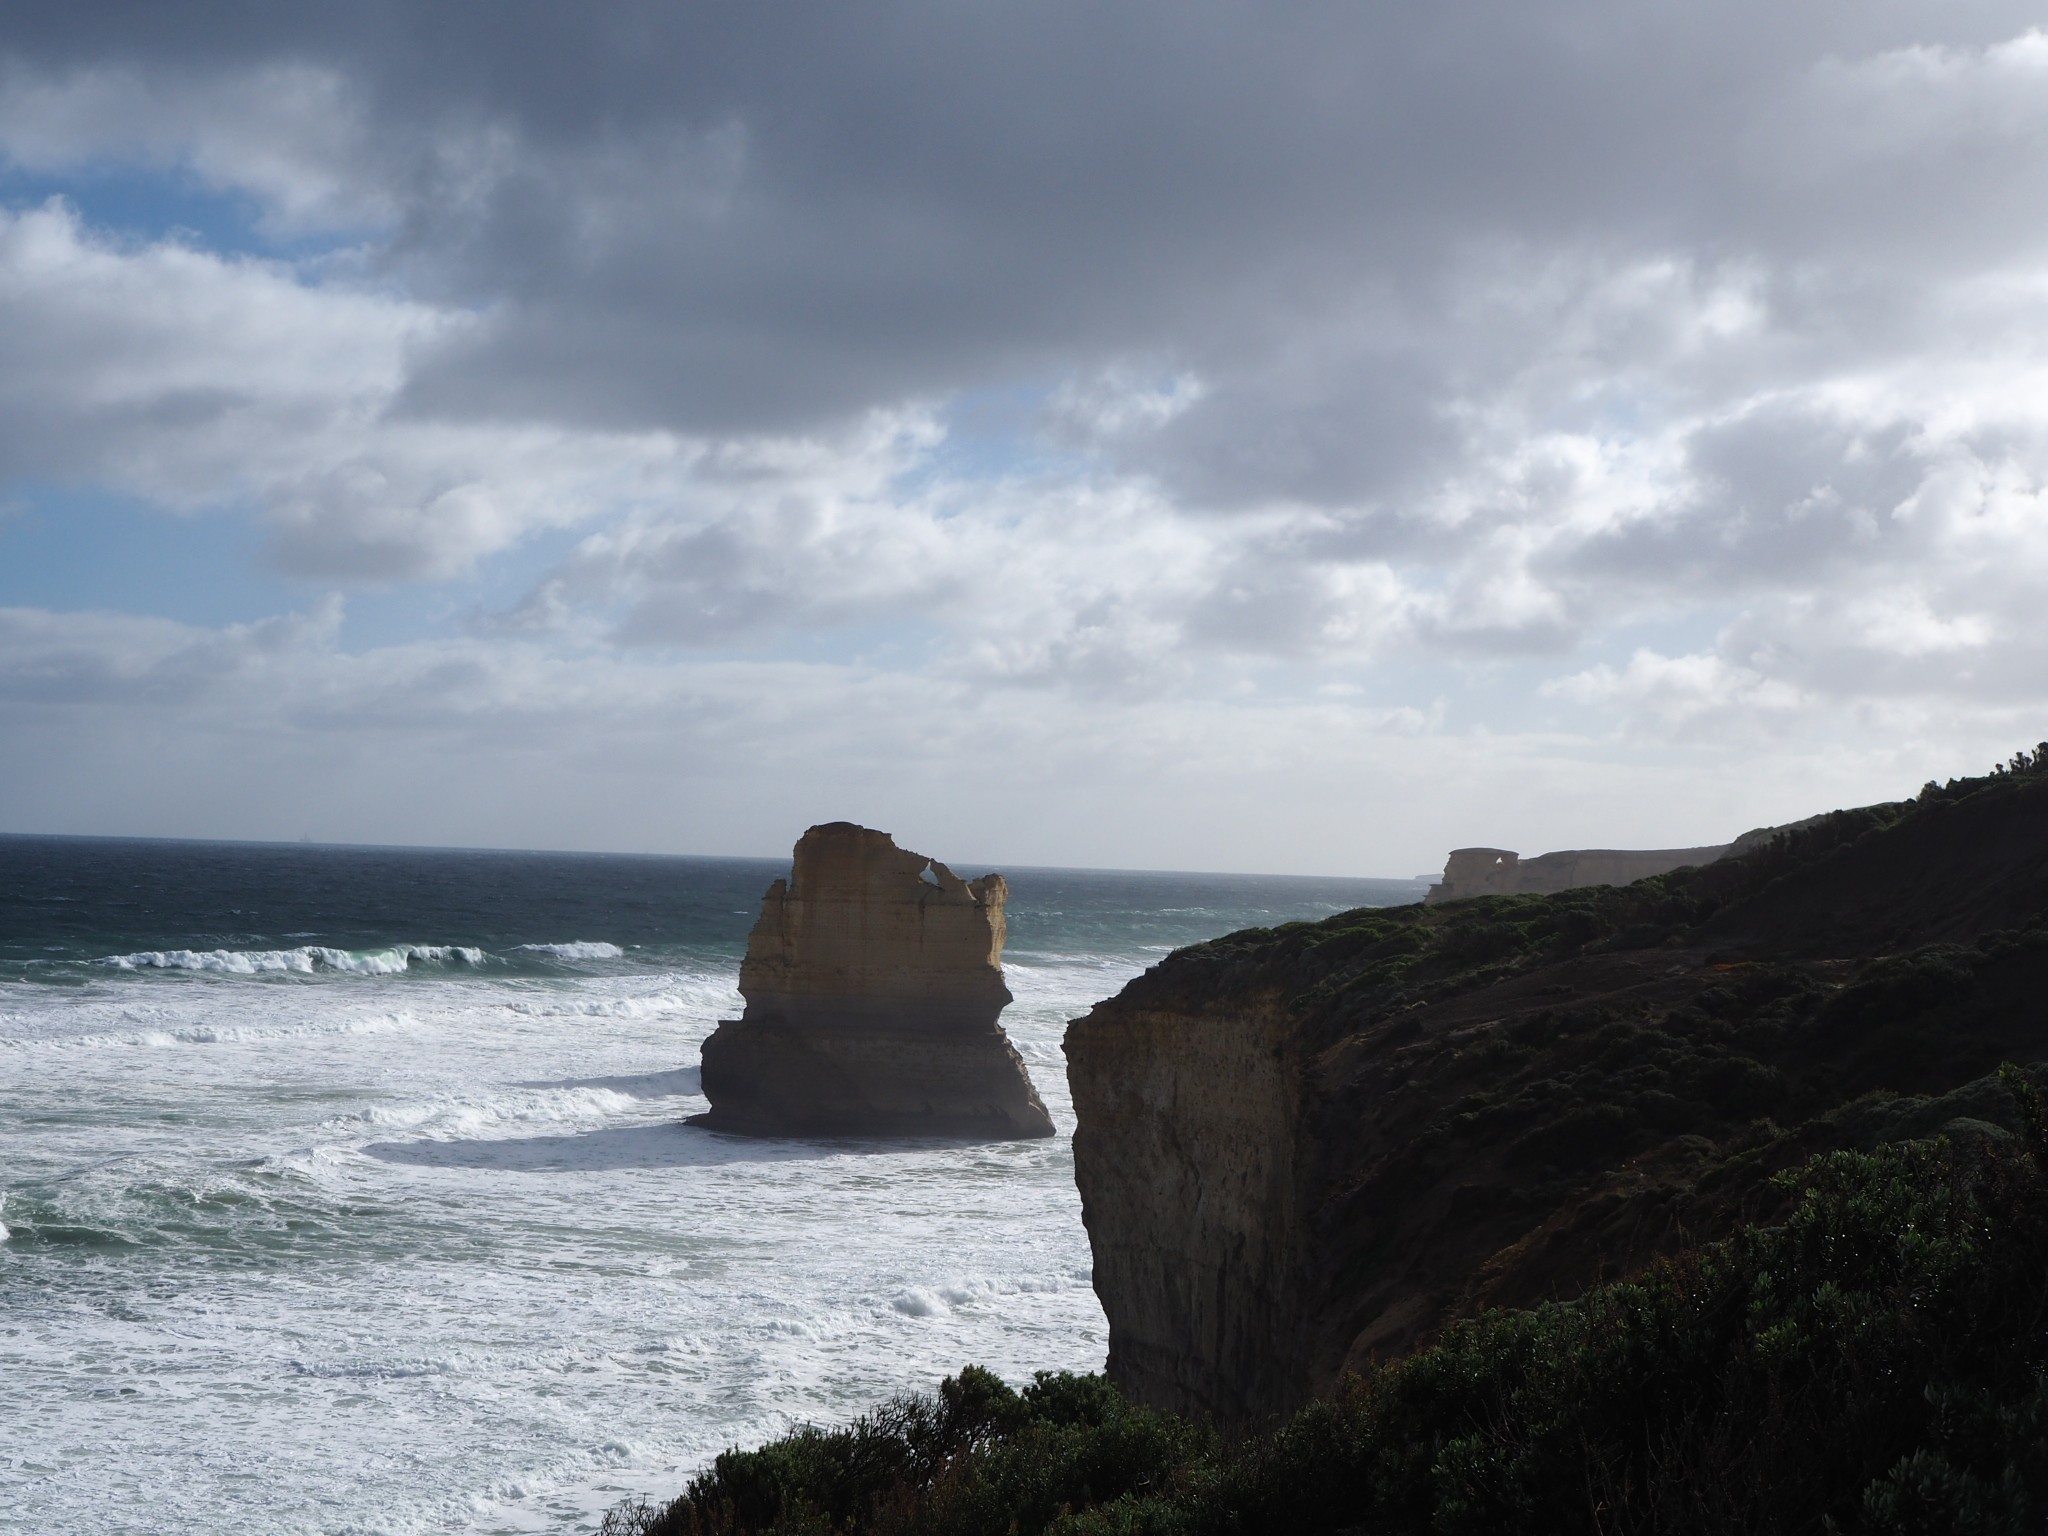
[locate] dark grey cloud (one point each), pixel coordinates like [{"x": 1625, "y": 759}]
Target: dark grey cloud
[
  {"x": 1788, "y": 497},
  {"x": 730, "y": 218}
]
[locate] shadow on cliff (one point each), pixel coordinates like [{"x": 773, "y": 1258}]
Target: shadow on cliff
[{"x": 612, "y": 1150}]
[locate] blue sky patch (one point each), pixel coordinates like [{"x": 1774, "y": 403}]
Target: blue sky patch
[{"x": 149, "y": 204}]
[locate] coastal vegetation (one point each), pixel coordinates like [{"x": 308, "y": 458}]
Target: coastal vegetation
[
  {"x": 1877, "y": 1361},
  {"x": 1505, "y": 1100}
]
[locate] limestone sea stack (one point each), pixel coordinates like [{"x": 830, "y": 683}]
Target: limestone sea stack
[{"x": 873, "y": 981}]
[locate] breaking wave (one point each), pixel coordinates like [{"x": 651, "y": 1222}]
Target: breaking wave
[
  {"x": 307, "y": 959},
  {"x": 935, "y": 1300},
  {"x": 580, "y": 949}
]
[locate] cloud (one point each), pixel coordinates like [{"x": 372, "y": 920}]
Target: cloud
[
  {"x": 1684, "y": 693},
  {"x": 199, "y": 381},
  {"x": 1665, "y": 377},
  {"x": 99, "y": 659},
  {"x": 272, "y": 730},
  {"x": 291, "y": 135}
]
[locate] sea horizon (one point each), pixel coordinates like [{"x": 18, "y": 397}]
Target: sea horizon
[{"x": 982, "y": 866}]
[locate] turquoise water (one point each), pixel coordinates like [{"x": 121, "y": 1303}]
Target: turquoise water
[{"x": 346, "y": 1190}]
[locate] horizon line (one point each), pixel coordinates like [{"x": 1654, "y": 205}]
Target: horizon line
[{"x": 606, "y": 853}]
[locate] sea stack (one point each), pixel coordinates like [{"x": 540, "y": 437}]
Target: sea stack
[{"x": 873, "y": 981}]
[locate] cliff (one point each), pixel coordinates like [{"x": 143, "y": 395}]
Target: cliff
[
  {"x": 873, "y": 980},
  {"x": 1305, "y": 1149},
  {"x": 1502, "y": 872}
]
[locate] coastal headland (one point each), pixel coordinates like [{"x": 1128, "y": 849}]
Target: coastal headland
[{"x": 1306, "y": 1149}]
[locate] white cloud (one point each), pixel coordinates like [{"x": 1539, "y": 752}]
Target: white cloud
[
  {"x": 1697, "y": 693},
  {"x": 271, "y": 730},
  {"x": 292, "y": 135},
  {"x": 1928, "y": 100},
  {"x": 198, "y": 381}
]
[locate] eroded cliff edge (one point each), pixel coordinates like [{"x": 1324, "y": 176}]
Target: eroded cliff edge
[
  {"x": 874, "y": 982},
  {"x": 1306, "y": 1147}
]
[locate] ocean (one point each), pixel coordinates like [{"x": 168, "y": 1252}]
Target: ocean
[{"x": 347, "y": 1190}]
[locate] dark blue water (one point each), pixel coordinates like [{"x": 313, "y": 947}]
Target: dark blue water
[{"x": 69, "y": 900}]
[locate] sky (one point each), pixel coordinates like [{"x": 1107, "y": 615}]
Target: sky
[{"x": 1290, "y": 438}]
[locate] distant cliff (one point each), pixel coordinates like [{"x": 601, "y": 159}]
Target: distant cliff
[
  {"x": 1502, "y": 872},
  {"x": 1304, "y": 1148}
]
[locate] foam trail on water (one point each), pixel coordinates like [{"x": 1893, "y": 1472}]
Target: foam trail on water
[
  {"x": 453, "y": 1115},
  {"x": 221, "y": 1034},
  {"x": 701, "y": 997}
]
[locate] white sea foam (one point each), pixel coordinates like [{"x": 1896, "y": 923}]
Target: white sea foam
[
  {"x": 428, "y": 1247},
  {"x": 343, "y": 1370},
  {"x": 534, "y": 1251},
  {"x": 974, "y": 1290},
  {"x": 916, "y": 1301},
  {"x": 445, "y": 1117},
  {"x": 704, "y": 997},
  {"x": 221, "y": 1034},
  {"x": 305, "y": 960},
  {"x": 578, "y": 949}
]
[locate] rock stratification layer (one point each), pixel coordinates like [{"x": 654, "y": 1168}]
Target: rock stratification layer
[
  {"x": 873, "y": 982},
  {"x": 1305, "y": 1148}
]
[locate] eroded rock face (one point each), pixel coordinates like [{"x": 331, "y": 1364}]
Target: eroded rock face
[
  {"x": 873, "y": 982},
  {"x": 1305, "y": 1149},
  {"x": 1185, "y": 1158}
]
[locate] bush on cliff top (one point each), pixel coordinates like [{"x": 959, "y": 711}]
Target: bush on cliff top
[
  {"x": 1877, "y": 1363},
  {"x": 977, "y": 1457}
]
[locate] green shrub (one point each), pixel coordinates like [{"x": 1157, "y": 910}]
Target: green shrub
[
  {"x": 1878, "y": 1362},
  {"x": 979, "y": 1457}
]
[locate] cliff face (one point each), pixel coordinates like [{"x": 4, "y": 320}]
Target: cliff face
[
  {"x": 873, "y": 981},
  {"x": 1184, "y": 1155},
  {"x": 1305, "y": 1148}
]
